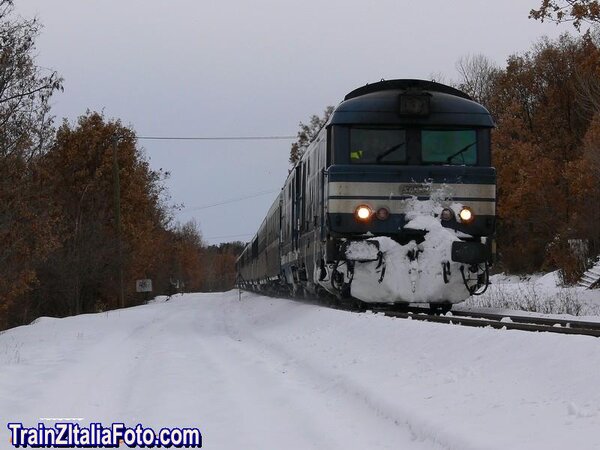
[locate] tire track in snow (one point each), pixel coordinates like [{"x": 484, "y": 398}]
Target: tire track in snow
[
  {"x": 357, "y": 396},
  {"x": 260, "y": 412},
  {"x": 272, "y": 406},
  {"x": 93, "y": 376}
]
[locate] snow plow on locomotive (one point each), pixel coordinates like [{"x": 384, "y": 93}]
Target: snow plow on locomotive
[{"x": 392, "y": 202}]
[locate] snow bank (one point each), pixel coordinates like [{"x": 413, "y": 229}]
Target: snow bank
[{"x": 537, "y": 293}]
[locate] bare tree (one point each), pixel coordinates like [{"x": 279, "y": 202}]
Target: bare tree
[
  {"x": 477, "y": 74},
  {"x": 25, "y": 88},
  {"x": 587, "y": 86},
  {"x": 307, "y": 133}
]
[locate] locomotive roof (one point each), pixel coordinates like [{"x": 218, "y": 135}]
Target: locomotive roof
[
  {"x": 386, "y": 85},
  {"x": 378, "y": 103}
]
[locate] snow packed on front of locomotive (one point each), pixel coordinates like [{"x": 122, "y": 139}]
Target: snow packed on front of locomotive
[
  {"x": 382, "y": 270},
  {"x": 437, "y": 264}
]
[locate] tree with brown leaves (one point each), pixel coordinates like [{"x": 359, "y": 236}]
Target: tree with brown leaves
[
  {"x": 83, "y": 270},
  {"x": 575, "y": 11},
  {"x": 26, "y": 215},
  {"x": 538, "y": 148}
]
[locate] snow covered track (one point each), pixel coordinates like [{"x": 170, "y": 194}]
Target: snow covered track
[
  {"x": 499, "y": 321},
  {"x": 265, "y": 373}
]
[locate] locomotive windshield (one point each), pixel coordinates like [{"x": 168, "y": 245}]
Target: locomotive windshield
[
  {"x": 449, "y": 146},
  {"x": 377, "y": 146},
  {"x": 381, "y": 145}
]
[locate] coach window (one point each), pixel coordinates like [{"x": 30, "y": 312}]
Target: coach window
[
  {"x": 377, "y": 146},
  {"x": 458, "y": 147}
]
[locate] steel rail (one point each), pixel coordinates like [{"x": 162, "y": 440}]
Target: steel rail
[
  {"x": 569, "y": 323},
  {"x": 516, "y": 322}
]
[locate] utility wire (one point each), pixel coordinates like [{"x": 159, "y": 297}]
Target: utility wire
[
  {"x": 232, "y": 200},
  {"x": 221, "y": 138},
  {"x": 216, "y": 138},
  {"x": 228, "y": 236}
]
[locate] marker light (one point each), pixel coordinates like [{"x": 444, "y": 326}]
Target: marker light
[
  {"x": 363, "y": 213},
  {"x": 447, "y": 214},
  {"x": 466, "y": 215},
  {"x": 383, "y": 213}
]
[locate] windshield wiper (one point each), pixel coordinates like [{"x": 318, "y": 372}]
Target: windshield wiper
[
  {"x": 460, "y": 152},
  {"x": 387, "y": 151}
]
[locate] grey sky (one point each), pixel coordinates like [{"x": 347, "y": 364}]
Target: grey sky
[{"x": 237, "y": 68}]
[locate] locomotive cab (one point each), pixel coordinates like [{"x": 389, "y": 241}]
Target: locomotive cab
[{"x": 384, "y": 155}]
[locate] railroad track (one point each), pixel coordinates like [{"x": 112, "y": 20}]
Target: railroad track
[
  {"x": 470, "y": 318},
  {"x": 498, "y": 321}
]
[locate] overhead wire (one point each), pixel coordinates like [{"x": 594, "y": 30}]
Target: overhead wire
[
  {"x": 228, "y": 236},
  {"x": 221, "y": 138},
  {"x": 225, "y": 202},
  {"x": 232, "y": 200},
  {"x": 216, "y": 138}
]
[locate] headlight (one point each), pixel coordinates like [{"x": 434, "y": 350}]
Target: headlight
[
  {"x": 466, "y": 215},
  {"x": 383, "y": 213},
  {"x": 447, "y": 214},
  {"x": 363, "y": 213}
]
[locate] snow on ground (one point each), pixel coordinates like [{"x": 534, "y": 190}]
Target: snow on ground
[
  {"x": 265, "y": 373},
  {"x": 537, "y": 293}
]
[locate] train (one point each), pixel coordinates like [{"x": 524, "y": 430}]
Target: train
[{"x": 393, "y": 201}]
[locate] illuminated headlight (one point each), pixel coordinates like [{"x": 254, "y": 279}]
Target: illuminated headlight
[
  {"x": 363, "y": 213},
  {"x": 466, "y": 215}
]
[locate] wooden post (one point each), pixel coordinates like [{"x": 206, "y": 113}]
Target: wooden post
[{"x": 117, "y": 190}]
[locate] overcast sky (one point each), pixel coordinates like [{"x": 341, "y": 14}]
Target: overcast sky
[{"x": 251, "y": 68}]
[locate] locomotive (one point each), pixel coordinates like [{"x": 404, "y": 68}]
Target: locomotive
[{"x": 393, "y": 201}]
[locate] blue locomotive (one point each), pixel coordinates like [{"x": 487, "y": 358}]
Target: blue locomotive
[{"x": 393, "y": 201}]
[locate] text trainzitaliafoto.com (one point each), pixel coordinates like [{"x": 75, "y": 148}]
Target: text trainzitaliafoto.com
[{"x": 96, "y": 435}]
